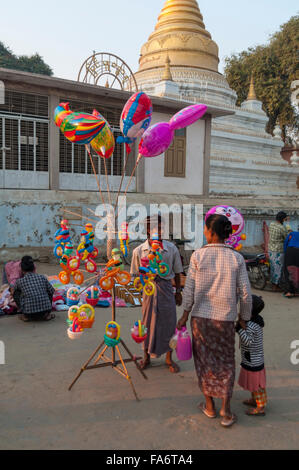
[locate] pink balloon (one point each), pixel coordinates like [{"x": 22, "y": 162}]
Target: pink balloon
[
  {"x": 156, "y": 140},
  {"x": 188, "y": 116}
]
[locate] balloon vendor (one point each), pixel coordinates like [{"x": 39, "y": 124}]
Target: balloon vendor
[{"x": 159, "y": 310}]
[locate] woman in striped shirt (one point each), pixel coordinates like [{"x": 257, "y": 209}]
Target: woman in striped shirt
[{"x": 253, "y": 374}]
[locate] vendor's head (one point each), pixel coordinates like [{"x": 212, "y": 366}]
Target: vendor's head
[
  {"x": 154, "y": 227},
  {"x": 282, "y": 217},
  {"x": 217, "y": 229},
  {"x": 27, "y": 264}
]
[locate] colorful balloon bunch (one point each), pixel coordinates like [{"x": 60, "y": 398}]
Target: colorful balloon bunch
[
  {"x": 84, "y": 129},
  {"x": 237, "y": 221},
  {"x": 158, "y": 138}
]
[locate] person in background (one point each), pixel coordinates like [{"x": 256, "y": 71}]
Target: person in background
[
  {"x": 159, "y": 310},
  {"x": 217, "y": 280},
  {"x": 290, "y": 273},
  {"x": 253, "y": 373},
  {"x": 33, "y": 293},
  {"x": 277, "y": 236}
]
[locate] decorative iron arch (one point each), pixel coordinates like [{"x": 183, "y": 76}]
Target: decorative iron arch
[{"x": 104, "y": 64}]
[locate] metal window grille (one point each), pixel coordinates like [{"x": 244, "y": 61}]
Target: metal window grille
[{"x": 26, "y": 104}]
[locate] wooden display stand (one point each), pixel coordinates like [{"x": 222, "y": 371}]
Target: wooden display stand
[{"x": 116, "y": 361}]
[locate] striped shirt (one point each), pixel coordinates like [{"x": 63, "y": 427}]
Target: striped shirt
[
  {"x": 217, "y": 280},
  {"x": 252, "y": 347}
]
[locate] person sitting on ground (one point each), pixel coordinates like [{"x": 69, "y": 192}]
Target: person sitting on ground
[
  {"x": 33, "y": 293},
  {"x": 253, "y": 373}
]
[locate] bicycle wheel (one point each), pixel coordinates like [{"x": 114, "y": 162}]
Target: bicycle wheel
[
  {"x": 78, "y": 278},
  {"x": 91, "y": 266},
  {"x": 73, "y": 263},
  {"x": 163, "y": 269},
  {"x": 107, "y": 283},
  {"x": 95, "y": 253},
  {"x": 138, "y": 284},
  {"x": 123, "y": 278},
  {"x": 149, "y": 288},
  {"x": 257, "y": 277},
  {"x": 64, "y": 277}
]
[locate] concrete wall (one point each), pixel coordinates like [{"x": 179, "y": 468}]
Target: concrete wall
[{"x": 193, "y": 183}]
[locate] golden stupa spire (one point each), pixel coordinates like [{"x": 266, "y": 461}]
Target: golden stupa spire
[
  {"x": 251, "y": 95},
  {"x": 107, "y": 84},
  {"x": 167, "y": 72},
  {"x": 181, "y": 35}
]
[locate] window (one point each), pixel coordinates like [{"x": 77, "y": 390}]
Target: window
[{"x": 175, "y": 157}]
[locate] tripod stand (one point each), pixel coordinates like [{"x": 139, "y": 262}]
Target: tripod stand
[{"x": 116, "y": 361}]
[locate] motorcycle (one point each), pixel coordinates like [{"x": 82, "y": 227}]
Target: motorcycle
[{"x": 258, "y": 269}]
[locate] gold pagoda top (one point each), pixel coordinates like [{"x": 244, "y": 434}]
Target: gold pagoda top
[{"x": 180, "y": 34}]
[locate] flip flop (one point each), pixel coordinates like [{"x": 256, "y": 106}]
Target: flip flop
[
  {"x": 50, "y": 317},
  {"x": 255, "y": 412},
  {"x": 144, "y": 364},
  {"x": 230, "y": 423},
  {"x": 202, "y": 408},
  {"x": 289, "y": 296},
  {"x": 173, "y": 368}
]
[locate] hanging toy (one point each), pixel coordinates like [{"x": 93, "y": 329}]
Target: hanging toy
[
  {"x": 145, "y": 281},
  {"x": 112, "y": 334},
  {"x": 139, "y": 332},
  {"x": 75, "y": 331},
  {"x": 93, "y": 296},
  {"x": 72, "y": 314},
  {"x": 114, "y": 272},
  {"x": 124, "y": 239},
  {"x": 156, "y": 259}
]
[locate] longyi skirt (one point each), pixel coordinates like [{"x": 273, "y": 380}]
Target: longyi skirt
[{"x": 214, "y": 356}]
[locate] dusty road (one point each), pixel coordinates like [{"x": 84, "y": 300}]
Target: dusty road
[{"x": 38, "y": 412}]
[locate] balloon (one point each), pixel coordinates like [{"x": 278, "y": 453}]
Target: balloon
[
  {"x": 135, "y": 118},
  {"x": 156, "y": 140},
  {"x": 237, "y": 221},
  {"x": 79, "y": 128},
  {"x": 104, "y": 142},
  {"x": 188, "y": 116}
]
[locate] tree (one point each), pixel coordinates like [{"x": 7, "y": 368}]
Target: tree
[
  {"x": 274, "y": 67},
  {"x": 33, "y": 64}
]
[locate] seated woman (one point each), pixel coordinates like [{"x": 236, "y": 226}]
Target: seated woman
[{"x": 33, "y": 293}]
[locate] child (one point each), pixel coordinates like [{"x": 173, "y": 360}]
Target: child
[
  {"x": 33, "y": 293},
  {"x": 253, "y": 374}
]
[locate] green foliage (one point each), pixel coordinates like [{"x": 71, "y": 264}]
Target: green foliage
[
  {"x": 275, "y": 67},
  {"x": 33, "y": 64}
]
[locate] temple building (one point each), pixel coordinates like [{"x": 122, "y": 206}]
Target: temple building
[{"x": 180, "y": 61}]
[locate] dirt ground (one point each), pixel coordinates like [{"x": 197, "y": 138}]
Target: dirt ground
[{"x": 38, "y": 412}]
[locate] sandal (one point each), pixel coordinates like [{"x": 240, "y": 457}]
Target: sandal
[
  {"x": 24, "y": 318},
  {"x": 255, "y": 412},
  {"x": 50, "y": 317},
  {"x": 291, "y": 296},
  {"x": 173, "y": 368},
  {"x": 228, "y": 422},
  {"x": 202, "y": 408}
]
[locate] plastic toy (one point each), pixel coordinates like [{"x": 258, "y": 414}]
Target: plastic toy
[
  {"x": 79, "y": 128},
  {"x": 73, "y": 313},
  {"x": 66, "y": 273},
  {"x": 114, "y": 273},
  {"x": 93, "y": 296},
  {"x": 62, "y": 237},
  {"x": 135, "y": 119},
  {"x": 237, "y": 221},
  {"x": 75, "y": 331},
  {"x": 86, "y": 316},
  {"x": 158, "y": 138},
  {"x": 184, "y": 345},
  {"x": 124, "y": 239},
  {"x": 156, "y": 259},
  {"x": 72, "y": 296},
  {"x": 139, "y": 332},
  {"x": 112, "y": 334},
  {"x": 145, "y": 281},
  {"x": 104, "y": 142},
  {"x": 86, "y": 252}
]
